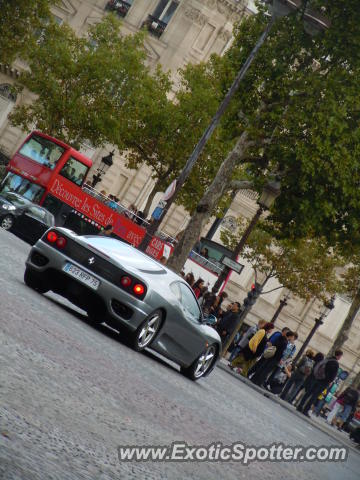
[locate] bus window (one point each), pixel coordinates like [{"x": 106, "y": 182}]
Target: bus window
[
  {"x": 29, "y": 190},
  {"x": 42, "y": 151},
  {"x": 74, "y": 171}
]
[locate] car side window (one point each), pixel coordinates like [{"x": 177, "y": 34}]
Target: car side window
[
  {"x": 174, "y": 287},
  {"x": 189, "y": 302}
]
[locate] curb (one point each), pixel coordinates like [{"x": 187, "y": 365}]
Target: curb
[{"x": 223, "y": 366}]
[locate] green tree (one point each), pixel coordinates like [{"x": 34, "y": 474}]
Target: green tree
[
  {"x": 307, "y": 266},
  {"x": 20, "y": 21},
  {"x": 88, "y": 88},
  {"x": 351, "y": 279},
  {"x": 99, "y": 89},
  {"x": 169, "y": 131},
  {"x": 299, "y": 118}
]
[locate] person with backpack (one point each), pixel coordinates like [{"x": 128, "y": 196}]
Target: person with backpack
[
  {"x": 272, "y": 360},
  {"x": 345, "y": 405},
  {"x": 324, "y": 373},
  {"x": 255, "y": 347},
  {"x": 260, "y": 363},
  {"x": 244, "y": 339},
  {"x": 298, "y": 377}
]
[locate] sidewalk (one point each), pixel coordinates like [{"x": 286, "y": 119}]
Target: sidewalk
[{"x": 317, "y": 422}]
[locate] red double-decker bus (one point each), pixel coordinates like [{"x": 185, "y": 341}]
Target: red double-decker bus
[{"x": 53, "y": 174}]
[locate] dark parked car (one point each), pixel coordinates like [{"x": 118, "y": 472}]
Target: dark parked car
[
  {"x": 24, "y": 218},
  {"x": 131, "y": 292}
]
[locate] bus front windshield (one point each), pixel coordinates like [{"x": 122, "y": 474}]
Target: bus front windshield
[
  {"x": 42, "y": 150},
  {"x": 25, "y": 188}
]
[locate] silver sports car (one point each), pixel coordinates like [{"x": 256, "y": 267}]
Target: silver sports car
[{"x": 121, "y": 286}]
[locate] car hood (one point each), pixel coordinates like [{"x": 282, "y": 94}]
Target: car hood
[{"x": 3, "y": 201}]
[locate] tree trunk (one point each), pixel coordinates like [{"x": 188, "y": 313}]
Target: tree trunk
[
  {"x": 344, "y": 331},
  {"x": 151, "y": 196},
  {"x": 207, "y": 204}
]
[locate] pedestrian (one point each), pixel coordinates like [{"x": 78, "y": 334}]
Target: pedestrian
[
  {"x": 106, "y": 231},
  {"x": 343, "y": 408},
  {"x": 262, "y": 360},
  {"x": 244, "y": 340},
  {"x": 254, "y": 348},
  {"x": 298, "y": 376},
  {"x": 204, "y": 292},
  {"x": 212, "y": 303},
  {"x": 197, "y": 287},
  {"x": 271, "y": 363},
  {"x": 205, "y": 253},
  {"x": 277, "y": 382},
  {"x": 228, "y": 322},
  {"x": 324, "y": 373},
  {"x": 287, "y": 355},
  {"x": 190, "y": 279}
]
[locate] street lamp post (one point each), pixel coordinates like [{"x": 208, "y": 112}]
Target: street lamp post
[
  {"x": 328, "y": 306},
  {"x": 105, "y": 163},
  {"x": 282, "y": 304},
  {"x": 268, "y": 196}
]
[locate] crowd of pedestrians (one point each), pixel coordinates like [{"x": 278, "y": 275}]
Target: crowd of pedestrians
[{"x": 266, "y": 357}]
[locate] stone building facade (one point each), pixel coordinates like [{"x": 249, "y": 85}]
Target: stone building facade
[{"x": 181, "y": 31}]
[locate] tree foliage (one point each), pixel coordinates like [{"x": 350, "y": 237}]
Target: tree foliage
[
  {"x": 305, "y": 266},
  {"x": 87, "y": 88},
  {"x": 99, "y": 89},
  {"x": 300, "y": 118},
  {"x": 20, "y": 21}
]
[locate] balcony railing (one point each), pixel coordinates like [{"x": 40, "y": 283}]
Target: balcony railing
[
  {"x": 119, "y": 6},
  {"x": 155, "y": 26}
]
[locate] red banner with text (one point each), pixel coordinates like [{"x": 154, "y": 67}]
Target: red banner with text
[{"x": 93, "y": 208}]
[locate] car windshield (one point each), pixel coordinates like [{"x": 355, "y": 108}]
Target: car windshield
[
  {"x": 42, "y": 150},
  {"x": 41, "y": 214},
  {"x": 16, "y": 200}
]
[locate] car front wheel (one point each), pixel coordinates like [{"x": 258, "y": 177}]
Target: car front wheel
[
  {"x": 7, "y": 222},
  {"x": 202, "y": 365},
  {"x": 34, "y": 281},
  {"x": 147, "y": 331}
]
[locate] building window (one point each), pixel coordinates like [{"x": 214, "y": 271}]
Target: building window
[
  {"x": 121, "y": 7},
  {"x": 158, "y": 21}
]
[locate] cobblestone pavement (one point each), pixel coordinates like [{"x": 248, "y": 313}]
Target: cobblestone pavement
[{"x": 71, "y": 393}]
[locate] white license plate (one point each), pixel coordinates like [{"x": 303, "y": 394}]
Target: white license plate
[{"x": 84, "y": 277}]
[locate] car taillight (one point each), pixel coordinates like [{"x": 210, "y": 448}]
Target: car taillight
[
  {"x": 138, "y": 289},
  {"x": 126, "y": 281},
  {"x": 61, "y": 242},
  {"x": 52, "y": 237}
]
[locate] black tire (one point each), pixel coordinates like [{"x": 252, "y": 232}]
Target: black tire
[
  {"x": 143, "y": 337},
  {"x": 34, "y": 281},
  {"x": 194, "y": 371},
  {"x": 7, "y": 222}
]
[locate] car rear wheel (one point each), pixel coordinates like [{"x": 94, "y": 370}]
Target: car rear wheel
[
  {"x": 202, "y": 364},
  {"x": 7, "y": 222},
  {"x": 34, "y": 281},
  {"x": 147, "y": 331}
]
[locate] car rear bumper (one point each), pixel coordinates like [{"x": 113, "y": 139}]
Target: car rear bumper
[{"x": 121, "y": 308}]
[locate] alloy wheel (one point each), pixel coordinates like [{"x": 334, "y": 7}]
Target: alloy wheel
[
  {"x": 7, "y": 222},
  {"x": 205, "y": 361},
  {"x": 148, "y": 330}
]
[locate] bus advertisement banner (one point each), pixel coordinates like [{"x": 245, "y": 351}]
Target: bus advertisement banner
[{"x": 93, "y": 208}]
